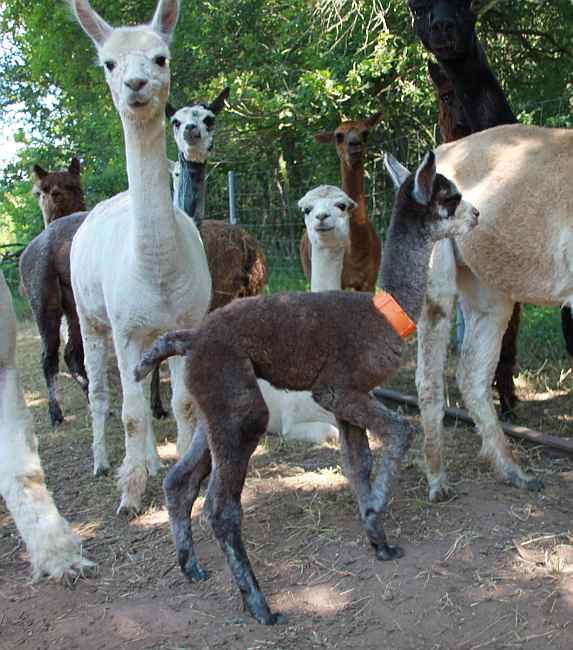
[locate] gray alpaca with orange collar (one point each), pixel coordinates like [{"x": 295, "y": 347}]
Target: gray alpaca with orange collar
[{"x": 289, "y": 340}]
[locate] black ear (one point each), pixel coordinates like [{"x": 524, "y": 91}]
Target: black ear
[
  {"x": 425, "y": 177},
  {"x": 170, "y": 111},
  {"x": 218, "y": 104},
  {"x": 39, "y": 171},
  {"x": 75, "y": 166}
]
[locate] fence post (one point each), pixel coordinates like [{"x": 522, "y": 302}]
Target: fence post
[{"x": 232, "y": 203}]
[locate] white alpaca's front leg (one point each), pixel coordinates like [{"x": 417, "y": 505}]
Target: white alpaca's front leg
[
  {"x": 433, "y": 339},
  {"x": 54, "y": 549},
  {"x": 136, "y": 417}
]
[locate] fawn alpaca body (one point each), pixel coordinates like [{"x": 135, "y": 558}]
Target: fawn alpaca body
[{"x": 288, "y": 339}]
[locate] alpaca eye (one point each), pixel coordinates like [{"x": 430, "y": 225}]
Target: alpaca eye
[
  {"x": 176, "y": 124},
  {"x": 209, "y": 121},
  {"x": 339, "y": 137},
  {"x": 307, "y": 210},
  {"x": 160, "y": 61},
  {"x": 110, "y": 65},
  {"x": 341, "y": 206}
]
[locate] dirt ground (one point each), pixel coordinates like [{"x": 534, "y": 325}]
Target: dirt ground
[{"x": 492, "y": 568}]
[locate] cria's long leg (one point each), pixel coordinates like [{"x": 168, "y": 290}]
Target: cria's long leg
[
  {"x": 365, "y": 412},
  {"x": 181, "y": 486}
]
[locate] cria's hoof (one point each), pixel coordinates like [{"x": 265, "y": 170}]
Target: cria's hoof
[
  {"x": 101, "y": 470},
  {"x": 535, "y": 485},
  {"x": 440, "y": 493},
  {"x": 385, "y": 552},
  {"x": 56, "y": 416},
  {"x": 271, "y": 619},
  {"x": 129, "y": 510},
  {"x": 194, "y": 572},
  {"x": 521, "y": 480}
]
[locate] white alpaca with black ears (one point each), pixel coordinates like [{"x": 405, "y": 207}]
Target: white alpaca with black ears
[
  {"x": 54, "y": 549},
  {"x": 138, "y": 264}
]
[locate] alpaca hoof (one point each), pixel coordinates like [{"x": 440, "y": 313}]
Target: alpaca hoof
[
  {"x": 385, "y": 552},
  {"x": 129, "y": 509},
  {"x": 273, "y": 619},
  {"x": 193, "y": 571},
  {"x": 535, "y": 485},
  {"x": 101, "y": 470},
  {"x": 521, "y": 480},
  {"x": 56, "y": 415},
  {"x": 159, "y": 413}
]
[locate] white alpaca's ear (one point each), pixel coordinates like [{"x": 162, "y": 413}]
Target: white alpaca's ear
[
  {"x": 425, "y": 176},
  {"x": 398, "y": 173},
  {"x": 92, "y": 24},
  {"x": 165, "y": 19}
]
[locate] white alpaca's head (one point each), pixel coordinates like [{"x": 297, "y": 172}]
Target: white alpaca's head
[
  {"x": 194, "y": 127},
  {"x": 326, "y": 211},
  {"x": 135, "y": 59}
]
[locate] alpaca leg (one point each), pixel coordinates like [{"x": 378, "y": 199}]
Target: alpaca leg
[
  {"x": 54, "y": 549},
  {"x": 182, "y": 405},
  {"x": 365, "y": 412},
  {"x": 96, "y": 347},
  {"x": 433, "y": 339},
  {"x": 49, "y": 326},
  {"x": 136, "y": 417},
  {"x": 506, "y": 365},
  {"x": 74, "y": 348},
  {"x": 155, "y": 396},
  {"x": 181, "y": 487},
  {"x": 486, "y": 314}
]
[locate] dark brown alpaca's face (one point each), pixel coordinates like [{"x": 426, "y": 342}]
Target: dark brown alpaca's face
[
  {"x": 58, "y": 194},
  {"x": 451, "y": 116},
  {"x": 445, "y": 27}
]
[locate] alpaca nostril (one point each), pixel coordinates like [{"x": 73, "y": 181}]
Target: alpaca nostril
[
  {"x": 136, "y": 83},
  {"x": 321, "y": 217}
]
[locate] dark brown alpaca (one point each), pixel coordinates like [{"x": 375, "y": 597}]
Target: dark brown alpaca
[
  {"x": 59, "y": 193},
  {"x": 362, "y": 261},
  {"x": 336, "y": 344},
  {"x": 45, "y": 276}
]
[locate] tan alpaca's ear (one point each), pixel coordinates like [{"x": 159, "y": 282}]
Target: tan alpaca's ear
[
  {"x": 218, "y": 104},
  {"x": 326, "y": 137},
  {"x": 75, "y": 166},
  {"x": 92, "y": 24},
  {"x": 165, "y": 19},
  {"x": 39, "y": 172},
  {"x": 373, "y": 120}
]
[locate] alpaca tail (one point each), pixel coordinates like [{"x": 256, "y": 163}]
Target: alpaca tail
[{"x": 168, "y": 345}]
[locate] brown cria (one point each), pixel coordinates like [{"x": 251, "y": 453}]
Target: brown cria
[
  {"x": 45, "y": 278},
  {"x": 362, "y": 261},
  {"x": 59, "y": 193},
  {"x": 335, "y": 344}
]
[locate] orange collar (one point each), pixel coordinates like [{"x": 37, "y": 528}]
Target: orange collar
[{"x": 401, "y": 323}]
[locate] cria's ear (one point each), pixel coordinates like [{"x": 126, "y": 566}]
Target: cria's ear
[
  {"x": 424, "y": 182},
  {"x": 217, "y": 105},
  {"x": 326, "y": 137},
  {"x": 74, "y": 167},
  {"x": 165, "y": 19},
  {"x": 373, "y": 120},
  {"x": 40, "y": 172},
  {"x": 92, "y": 24},
  {"x": 170, "y": 111},
  {"x": 398, "y": 173}
]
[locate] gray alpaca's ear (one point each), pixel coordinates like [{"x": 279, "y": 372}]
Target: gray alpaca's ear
[
  {"x": 326, "y": 137},
  {"x": 40, "y": 172},
  {"x": 398, "y": 173},
  {"x": 92, "y": 24},
  {"x": 165, "y": 19},
  {"x": 425, "y": 177},
  {"x": 217, "y": 105},
  {"x": 170, "y": 111},
  {"x": 75, "y": 166}
]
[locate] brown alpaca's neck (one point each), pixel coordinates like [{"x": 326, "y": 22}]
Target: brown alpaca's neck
[{"x": 353, "y": 185}]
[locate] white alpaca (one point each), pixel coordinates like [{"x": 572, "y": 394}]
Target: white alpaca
[
  {"x": 519, "y": 177},
  {"x": 138, "y": 265},
  {"x": 294, "y": 414},
  {"x": 53, "y": 547}
]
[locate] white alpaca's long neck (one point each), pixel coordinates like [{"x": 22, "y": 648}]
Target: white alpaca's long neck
[
  {"x": 326, "y": 264},
  {"x": 154, "y": 227}
]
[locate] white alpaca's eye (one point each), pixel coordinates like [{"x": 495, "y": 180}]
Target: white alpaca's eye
[
  {"x": 160, "y": 61},
  {"x": 307, "y": 210},
  {"x": 176, "y": 124},
  {"x": 110, "y": 65},
  {"x": 341, "y": 206}
]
